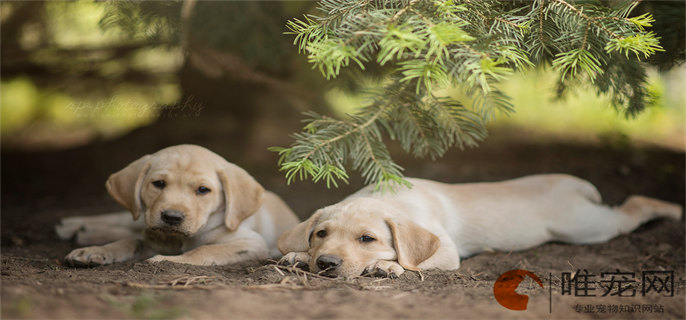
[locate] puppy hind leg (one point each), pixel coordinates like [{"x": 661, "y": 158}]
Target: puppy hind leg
[
  {"x": 593, "y": 223},
  {"x": 645, "y": 208},
  {"x": 71, "y": 227}
]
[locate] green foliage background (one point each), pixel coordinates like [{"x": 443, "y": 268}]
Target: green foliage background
[{"x": 420, "y": 48}]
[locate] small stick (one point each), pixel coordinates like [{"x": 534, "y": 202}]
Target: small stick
[
  {"x": 296, "y": 271},
  {"x": 279, "y": 271}
]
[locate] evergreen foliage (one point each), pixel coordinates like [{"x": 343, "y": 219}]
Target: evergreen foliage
[
  {"x": 422, "y": 46},
  {"x": 416, "y": 48},
  {"x": 151, "y": 21}
]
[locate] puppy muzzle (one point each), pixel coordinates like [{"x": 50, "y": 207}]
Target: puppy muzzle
[{"x": 328, "y": 265}]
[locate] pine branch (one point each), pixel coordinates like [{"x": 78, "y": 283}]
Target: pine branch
[{"x": 472, "y": 45}]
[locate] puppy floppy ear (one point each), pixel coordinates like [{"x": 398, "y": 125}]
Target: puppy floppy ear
[
  {"x": 242, "y": 194},
  {"x": 413, "y": 244},
  {"x": 125, "y": 185},
  {"x": 298, "y": 238}
]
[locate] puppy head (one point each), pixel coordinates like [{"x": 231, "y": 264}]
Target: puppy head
[
  {"x": 178, "y": 189},
  {"x": 348, "y": 238}
]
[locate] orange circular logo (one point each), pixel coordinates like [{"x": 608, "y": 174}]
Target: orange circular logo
[{"x": 504, "y": 289}]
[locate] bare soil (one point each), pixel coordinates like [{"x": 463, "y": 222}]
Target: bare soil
[{"x": 38, "y": 188}]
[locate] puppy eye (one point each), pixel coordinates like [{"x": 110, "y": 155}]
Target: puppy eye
[
  {"x": 202, "y": 190},
  {"x": 366, "y": 239},
  {"x": 159, "y": 184},
  {"x": 321, "y": 233}
]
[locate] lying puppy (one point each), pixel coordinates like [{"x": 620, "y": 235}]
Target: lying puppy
[
  {"x": 197, "y": 209},
  {"x": 433, "y": 224}
]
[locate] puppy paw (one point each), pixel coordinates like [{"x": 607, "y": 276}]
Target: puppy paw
[
  {"x": 384, "y": 269},
  {"x": 89, "y": 256},
  {"x": 157, "y": 258},
  {"x": 160, "y": 258},
  {"x": 296, "y": 259}
]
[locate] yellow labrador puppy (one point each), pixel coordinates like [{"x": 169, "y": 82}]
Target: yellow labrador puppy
[
  {"x": 196, "y": 208},
  {"x": 433, "y": 224}
]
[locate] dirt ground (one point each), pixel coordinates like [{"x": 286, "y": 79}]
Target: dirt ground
[{"x": 38, "y": 188}]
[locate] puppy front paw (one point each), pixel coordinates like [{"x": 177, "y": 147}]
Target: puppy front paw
[
  {"x": 383, "y": 268},
  {"x": 160, "y": 258},
  {"x": 296, "y": 259},
  {"x": 89, "y": 256}
]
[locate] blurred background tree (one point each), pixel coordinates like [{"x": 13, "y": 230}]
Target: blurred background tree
[
  {"x": 74, "y": 71},
  {"x": 81, "y": 71}
]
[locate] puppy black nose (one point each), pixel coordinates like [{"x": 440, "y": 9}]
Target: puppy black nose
[
  {"x": 172, "y": 217},
  {"x": 328, "y": 261}
]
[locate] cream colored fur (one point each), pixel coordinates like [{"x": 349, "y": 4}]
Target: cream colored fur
[
  {"x": 432, "y": 225},
  {"x": 235, "y": 221}
]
